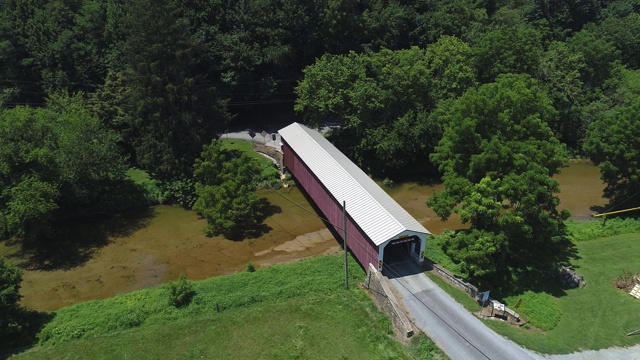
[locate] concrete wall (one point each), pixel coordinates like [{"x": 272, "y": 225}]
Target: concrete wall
[
  {"x": 378, "y": 287},
  {"x": 359, "y": 244}
]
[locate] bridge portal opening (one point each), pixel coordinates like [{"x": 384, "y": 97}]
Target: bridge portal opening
[{"x": 400, "y": 250}]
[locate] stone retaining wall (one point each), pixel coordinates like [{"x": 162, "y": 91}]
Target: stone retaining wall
[
  {"x": 379, "y": 288},
  {"x": 449, "y": 277},
  {"x": 270, "y": 152}
]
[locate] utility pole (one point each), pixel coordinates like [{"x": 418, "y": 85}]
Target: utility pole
[{"x": 344, "y": 224}]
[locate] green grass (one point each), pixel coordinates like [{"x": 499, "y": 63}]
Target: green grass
[
  {"x": 138, "y": 176},
  {"x": 297, "y": 310},
  {"x": 457, "y": 294},
  {"x": 246, "y": 147},
  {"x": 595, "y": 317},
  {"x": 540, "y": 309},
  {"x": 318, "y": 326},
  {"x": 437, "y": 255}
]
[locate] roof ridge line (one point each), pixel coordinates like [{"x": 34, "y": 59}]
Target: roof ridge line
[{"x": 357, "y": 182}]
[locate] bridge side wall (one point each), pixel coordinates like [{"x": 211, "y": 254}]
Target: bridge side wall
[{"x": 359, "y": 244}]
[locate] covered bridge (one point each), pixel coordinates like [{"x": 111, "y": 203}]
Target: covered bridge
[{"x": 375, "y": 222}]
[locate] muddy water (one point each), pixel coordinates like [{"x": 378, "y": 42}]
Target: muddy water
[
  {"x": 169, "y": 241},
  {"x": 580, "y": 193},
  {"x": 581, "y": 189}
]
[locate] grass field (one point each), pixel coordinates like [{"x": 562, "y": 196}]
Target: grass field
[
  {"x": 595, "y": 317},
  {"x": 290, "y": 311},
  {"x": 247, "y": 148}
]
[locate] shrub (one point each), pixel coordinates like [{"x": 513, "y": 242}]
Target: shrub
[
  {"x": 152, "y": 192},
  {"x": 181, "y": 292},
  {"x": 436, "y": 253},
  {"x": 267, "y": 178},
  {"x": 180, "y": 192},
  {"x": 250, "y": 267},
  {"x": 10, "y": 312},
  {"x": 388, "y": 183}
]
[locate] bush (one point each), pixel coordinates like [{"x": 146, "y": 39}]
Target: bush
[
  {"x": 250, "y": 267},
  {"x": 436, "y": 253},
  {"x": 388, "y": 183},
  {"x": 268, "y": 178},
  {"x": 180, "y": 192},
  {"x": 152, "y": 192},
  {"x": 181, "y": 292},
  {"x": 11, "y": 328}
]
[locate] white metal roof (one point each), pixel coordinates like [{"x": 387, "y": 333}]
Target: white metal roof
[{"x": 379, "y": 216}]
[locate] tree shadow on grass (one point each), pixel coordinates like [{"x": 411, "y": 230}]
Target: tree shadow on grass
[
  {"x": 539, "y": 280},
  {"x": 538, "y": 270},
  {"x": 24, "y": 337},
  {"x": 71, "y": 243}
]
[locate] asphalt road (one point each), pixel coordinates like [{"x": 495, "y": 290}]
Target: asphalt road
[{"x": 457, "y": 332}]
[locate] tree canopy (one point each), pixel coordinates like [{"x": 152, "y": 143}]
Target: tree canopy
[
  {"x": 614, "y": 144},
  {"x": 226, "y": 191},
  {"x": 159, "y": 79},
  {"x": 383, "y": 100},
  {"x": 10, "y": 312},
  {"x": 54, "y": 162},
  {"x": 497, "y": 156}
]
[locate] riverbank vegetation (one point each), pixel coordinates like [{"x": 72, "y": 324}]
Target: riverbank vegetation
[{"x": 294, "y": 310}]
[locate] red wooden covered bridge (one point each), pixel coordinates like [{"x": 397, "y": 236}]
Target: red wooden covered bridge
[{"x": 376, "y": 224}]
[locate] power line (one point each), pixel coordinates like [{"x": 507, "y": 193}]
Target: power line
[
  {"x": 386, "y": 266},
  {"x": 621, "y": 202}
]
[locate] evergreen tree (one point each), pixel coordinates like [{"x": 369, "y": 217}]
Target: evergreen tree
[{"x": 172, "y": 109}]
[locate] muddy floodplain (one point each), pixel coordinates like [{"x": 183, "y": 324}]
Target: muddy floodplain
[{"x": 154, "y": 246}]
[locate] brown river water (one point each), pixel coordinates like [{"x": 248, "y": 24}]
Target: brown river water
[{"x": 136, "y": 251}]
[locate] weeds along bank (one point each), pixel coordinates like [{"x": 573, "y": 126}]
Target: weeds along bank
[
  {"x": 291, "y": 310},
  {"x": 125, "y": 311}
]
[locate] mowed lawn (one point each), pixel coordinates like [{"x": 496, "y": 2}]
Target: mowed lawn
[
  {"x": 247, "y": 148},
  {"x": 599, "y": 315},
  {"x": 290, "y": 311}
]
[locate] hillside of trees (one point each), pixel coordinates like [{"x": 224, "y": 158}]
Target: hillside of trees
[{"x": 493, "y": 94}]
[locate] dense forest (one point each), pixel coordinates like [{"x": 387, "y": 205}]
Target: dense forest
[{"x": 474, "y": 89}]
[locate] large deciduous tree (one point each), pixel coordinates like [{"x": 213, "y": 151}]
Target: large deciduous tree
[
  {"x": 508, "y": 49},
  {"x": 383, "y": 100},
  {"x": 613, "y": 142},
  {"x": 497, "y": 156},
  {"x": 225, "y": 190},
  {"x": 55, "y": 162},
  {"x": 560, "y": 75}
]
